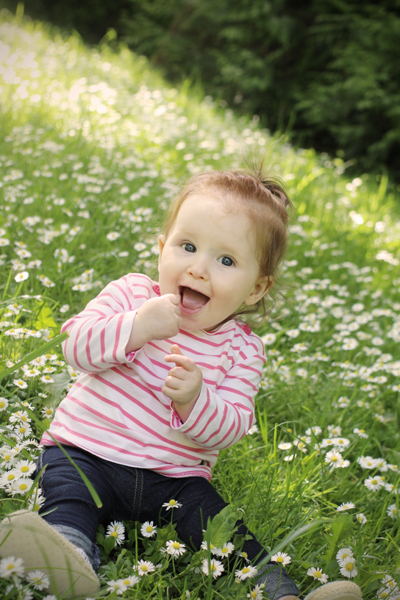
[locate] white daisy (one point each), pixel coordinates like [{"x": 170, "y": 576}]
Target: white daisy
[
  {"x": 213, "y": 549},
  {"x": 117, "y": 531},
  {"x": 20, "y": 486},
  {"x": 348, "y": 567},
  {"x": 11, "y": 566},
  {"x": 39, "y": 580},
  {"x": 225, "y": 550},
  {"x": 144, "y": 567},
  {"x": 148, "y": 529},
  {"x": 214, "y": 566},
  {"x": 24, "y": 468},
  {"x": 316, "y": 430},
  {"x": 361, "y": 518},
  {"x": 175, "y": 549},
  {"x": 130, "y": 581},
  {"x": 256, "y": 593},
  {"x": 344, "y": 553},
  {"x": 8, "y": 477},
  {"x": 366, "y": 462},
  {"x": 21, "y": 276},
  {"x": 392, "y": 511},
  {"x": 340, "y": 442},
  {"x": 281, "y": 558},
  {"x": 172, "y": 504},
  {"x": 374, "y": 483},
  {"x": 334, "y": 459},
  {"x": 360, "y": 432},
  {"x": 285, "y": 445},
  {"x": 117, "y": 586},
  {"x": 345, "y": 506},
  {"x": 317, "y": 573},
  {"x": 246, "y": 572},
  {"x": 3, "y": 404}
]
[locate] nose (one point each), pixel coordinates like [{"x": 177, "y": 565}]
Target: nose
[{"x": 199, "y": 267}]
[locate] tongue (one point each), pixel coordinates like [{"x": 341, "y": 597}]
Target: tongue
[{"x": 192, "y": 299}]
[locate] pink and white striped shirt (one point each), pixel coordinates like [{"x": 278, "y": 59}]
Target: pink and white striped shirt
[{"x": 116, "y": 409}]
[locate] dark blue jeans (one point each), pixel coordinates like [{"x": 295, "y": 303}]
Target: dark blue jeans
[{"x": 132, "y": 494}]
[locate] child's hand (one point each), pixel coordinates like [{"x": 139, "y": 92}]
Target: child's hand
[
  {"x": 157, "y": 319},
  {"x": 184, "y": 381}
]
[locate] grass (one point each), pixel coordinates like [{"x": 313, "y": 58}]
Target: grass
[{"x": 93, "y": 145}]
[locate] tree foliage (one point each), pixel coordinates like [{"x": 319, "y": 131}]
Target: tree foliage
[{"x": 326, "y": 71}]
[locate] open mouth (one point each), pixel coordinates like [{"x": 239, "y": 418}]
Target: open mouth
[{"x": 191, "y": 300}]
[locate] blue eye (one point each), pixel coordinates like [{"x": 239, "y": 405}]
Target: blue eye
[
  {"x": 227, "y": 261},
  {"x": 189, "y": 247}
]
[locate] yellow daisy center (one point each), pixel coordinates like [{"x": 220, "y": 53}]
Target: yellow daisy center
[
  {"x": 225, "y": 549},
  {"x": 114, "y": 534},
  {"x": 245, "y": 570},
  {"x": 10, "y": 567},
  {"x": 318, "y": 574},
  {"x": 349, "y": 567},
  {"x": 11, "y": 476},
  {"x": 2, "y": 404},
  {"x": 149, "y": 529},
  {"x": 24, "y": 469},
  {"x": 279, "y": 559},
  {"x": 176, "y": 545},
  {"x": 144, "y": 568},
  {"x": 23, "y": 486},
  {"x": 213, "y": 567},
  {"x": 172, "y": 502}
]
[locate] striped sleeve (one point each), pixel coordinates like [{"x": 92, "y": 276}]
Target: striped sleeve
[
  {"x": 222, "y": 417},
  {"x": 99, "y": 334}
]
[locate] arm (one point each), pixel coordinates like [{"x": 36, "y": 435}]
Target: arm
[
  {"x": 219, "y": 419},
  {"x": 103, "y": 334}
]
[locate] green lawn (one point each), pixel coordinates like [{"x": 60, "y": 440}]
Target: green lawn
[{"x": 93, "y": 145}]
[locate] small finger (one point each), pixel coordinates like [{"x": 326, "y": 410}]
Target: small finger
[
  {"x": 176, "y": 350},
  {"x": 181, "y": 361},
  {"x": 177, "y": 372},
  {"x": 172, "y": 383}
]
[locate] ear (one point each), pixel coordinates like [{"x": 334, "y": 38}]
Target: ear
[
  {"x": 263, "y": 284},
  {"x": 161, "y": 244}
]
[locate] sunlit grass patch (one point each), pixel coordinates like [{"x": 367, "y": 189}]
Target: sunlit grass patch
[{"x": 93, "y": 145}]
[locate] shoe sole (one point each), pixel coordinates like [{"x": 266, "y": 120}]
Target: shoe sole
[
  {"x": 336, "y": 590},
  {"x": 24, "y": 534}
]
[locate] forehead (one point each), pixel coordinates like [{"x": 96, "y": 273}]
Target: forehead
[
  {"x": 207, "y": 214},
  {"x": 211, "y": 204}
]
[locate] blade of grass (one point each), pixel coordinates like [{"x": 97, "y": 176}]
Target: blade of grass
[{"x": 42, "y": 350}]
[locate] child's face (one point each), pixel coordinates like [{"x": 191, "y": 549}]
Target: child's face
[{"x": 209, "y": 259}]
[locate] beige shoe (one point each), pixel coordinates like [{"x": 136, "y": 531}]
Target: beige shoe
[
  {"x": 24, "y": 534},
  {"x": 336, "y": 590}
]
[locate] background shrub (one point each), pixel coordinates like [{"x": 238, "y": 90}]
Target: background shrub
[{"x": 327, "y": 72}]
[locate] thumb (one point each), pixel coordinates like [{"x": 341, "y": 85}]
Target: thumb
[{"x": 176, "y": 350}]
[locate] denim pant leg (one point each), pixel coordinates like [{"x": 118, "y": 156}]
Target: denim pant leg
[
  {"x": 69, "y": 506},
  {"x": 201, "y": 501}
]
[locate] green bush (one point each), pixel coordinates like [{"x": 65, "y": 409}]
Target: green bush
[{"x": 327, "y": 72}]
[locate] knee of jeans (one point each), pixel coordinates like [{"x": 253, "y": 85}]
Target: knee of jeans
[{"x": 61, "y": 478}]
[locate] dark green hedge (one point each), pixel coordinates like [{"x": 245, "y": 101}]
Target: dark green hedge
[{"x": 327, "y": 71}]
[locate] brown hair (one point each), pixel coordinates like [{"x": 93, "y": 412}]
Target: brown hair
[{"x": 268, "y": 208}]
